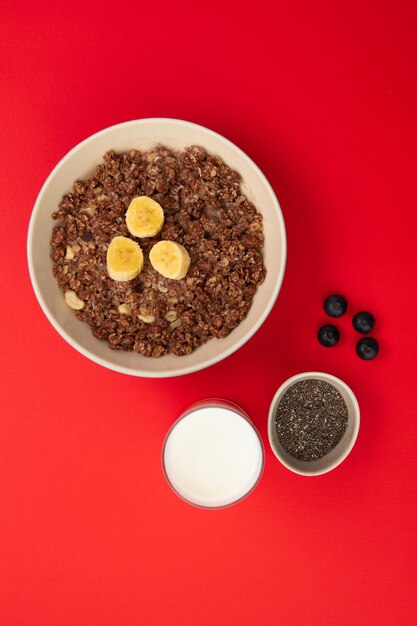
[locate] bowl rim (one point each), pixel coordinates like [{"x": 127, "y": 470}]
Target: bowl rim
[
  {"x": 180, "y": 370},
  {"x": 356, "y": 419}
]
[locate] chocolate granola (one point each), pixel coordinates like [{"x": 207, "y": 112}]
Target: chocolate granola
[{"x": 205, "y": 211}]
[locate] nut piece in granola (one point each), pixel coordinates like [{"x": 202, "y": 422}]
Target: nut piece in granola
[
  {"x": 144, "y": 217},
  {"x": 170, "y": 259},
  {"x": 124, "y": 309},
  {"x": 124, "y": 259},
  {"x": 73, "y": 301},
  {"x": 147, "y": 319},
  {"x": 69, "y": 254}
]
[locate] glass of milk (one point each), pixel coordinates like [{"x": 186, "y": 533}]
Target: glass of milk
[{"x": 213, "y": 455}]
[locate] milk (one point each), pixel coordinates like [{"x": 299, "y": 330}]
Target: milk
[{"x": 213, "y": 456}]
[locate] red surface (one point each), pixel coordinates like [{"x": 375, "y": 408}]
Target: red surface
[{"x": 323, "y": 96}]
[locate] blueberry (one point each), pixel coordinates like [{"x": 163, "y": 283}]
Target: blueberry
[
  {"x": 367, "y": 348},
  {"x": 363, "y": 322},
  {"x": 335, "y": 305},
  {"x": 328, "y": 335}
]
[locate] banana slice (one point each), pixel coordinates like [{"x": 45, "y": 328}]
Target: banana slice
[
  {"x": 124, "y": 259},
  {"x": 170, "y": 259},
  {"x": 144, "y": 217}
]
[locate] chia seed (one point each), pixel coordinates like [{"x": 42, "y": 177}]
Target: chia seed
[{"x": 311, "y": 419}]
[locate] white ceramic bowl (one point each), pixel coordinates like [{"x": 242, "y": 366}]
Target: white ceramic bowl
[
  {"x": 78, "y": 164},
  {"x": 345, "y": 445}
]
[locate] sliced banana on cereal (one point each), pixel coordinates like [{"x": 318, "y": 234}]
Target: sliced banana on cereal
[
  {"x": 170, "y": 259},
  {"x": 124, "y": 259},
  {"x": 144, "y": 217}
]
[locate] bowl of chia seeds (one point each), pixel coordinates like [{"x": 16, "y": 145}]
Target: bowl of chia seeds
[{"x": 313, "y": 423}]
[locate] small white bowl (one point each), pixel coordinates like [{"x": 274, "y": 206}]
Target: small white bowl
[
  {"x": 333, "y": 458},
  {"x": 80, "y": 163}
]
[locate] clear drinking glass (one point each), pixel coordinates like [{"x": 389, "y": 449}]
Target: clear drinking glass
[{"x": 213, "y": 456}]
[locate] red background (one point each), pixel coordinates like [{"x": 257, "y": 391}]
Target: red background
[{"x": 323, "y": 96}]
